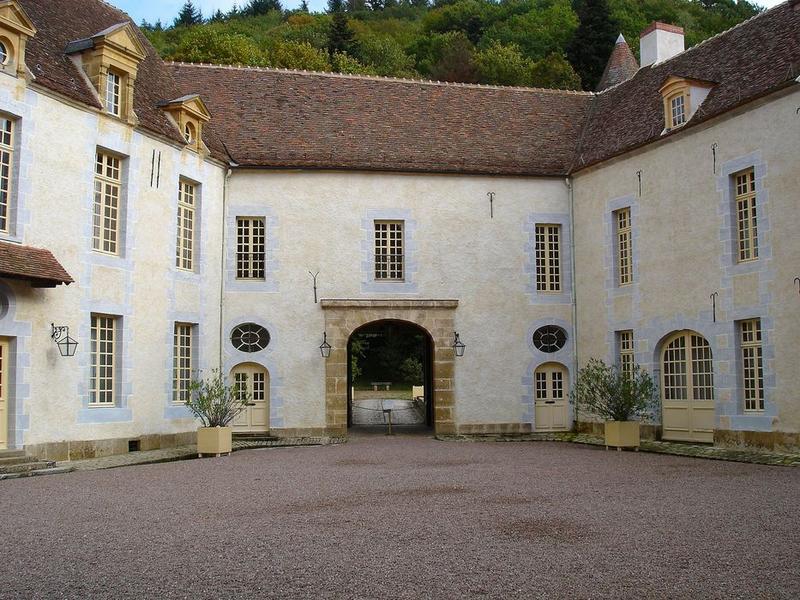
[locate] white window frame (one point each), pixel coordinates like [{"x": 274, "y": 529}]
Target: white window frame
[
  {"x": 678, "y": 108},
  {"x": 622, "y": 221},
  {"x": 182, "y": 361},
  {"x": 389, "y": 250},
  {"x": 186, "y": 225},
  {"x": 103, "y": 360},
  {"x": 107, "y": 205},
  {"x": 626, "y": 353},
  {"x": 746, "y": 216},
  {"x": 7, "y": 127},
  {"x": 251, "y": 245},
  {"x": 114, "y": 93},
  {"x": 547, "y": 242},
  {"x": 750, "y": 340}
]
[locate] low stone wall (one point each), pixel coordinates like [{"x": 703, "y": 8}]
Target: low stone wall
[
  {"x": 82, "y": 449},
  {"x": 493, "y": 428},
  {"x": 772, "y": 440}
]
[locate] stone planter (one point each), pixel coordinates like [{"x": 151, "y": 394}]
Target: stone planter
[
  {"x": 622, "y": 434},
  {"x": 214, "y": 440}
]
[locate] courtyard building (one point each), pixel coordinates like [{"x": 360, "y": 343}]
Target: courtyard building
[{"x": 176, "y": 218}]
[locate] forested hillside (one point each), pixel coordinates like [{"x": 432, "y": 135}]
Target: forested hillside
[{"x": 543, "y": 43}]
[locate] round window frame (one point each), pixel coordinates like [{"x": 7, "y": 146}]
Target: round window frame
[
  {"x": 189, "y": 133},
  {"x": 5, "y": 52},
  {"x": 249, "y": 329},
  {"x": 558, "y": 344}
]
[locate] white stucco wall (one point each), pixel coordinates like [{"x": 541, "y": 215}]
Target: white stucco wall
[
  {"x": 322, "y": 221},
  {"x": 54, "y": 191},
  {"x": 684, "y": 232}
]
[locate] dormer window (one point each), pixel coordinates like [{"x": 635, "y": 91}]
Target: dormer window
[
  {"x": 113, "y": 93},
  {"x": 682, "y": 97},
  {"x": 189, "y": 113},
  {"x": 15, "y": 30},
  {"x": 110, "y": 59}
]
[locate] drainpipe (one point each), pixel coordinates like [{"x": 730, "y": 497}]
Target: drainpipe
[
  {"x": 222, "y": 259},
  {"x": 570, "y": 186}
]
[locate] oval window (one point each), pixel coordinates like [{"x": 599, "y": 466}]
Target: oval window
[
  {"x": 249, "y": 337},
  {"x": 188, "y": 133},
  {"x": 549, "y": 338},
  {"x": 3, "y": 53}
]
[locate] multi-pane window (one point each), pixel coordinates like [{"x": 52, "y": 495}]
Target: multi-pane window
[
  {"x": 6, "y": 156},
  {"x": 625, "y": 340},
  {"x": 113, "y": 87},
  {"x": 746, "y": 215},
  {"x": 184, "y": 248},
  {"x": 678, "y": 110},
  {"x": 106, "y": 209},
  {"x": 103, "y": 360},
  {"x": 752, "y": 365},
  {"x": 624, "y": 264},
  {"x": 548, "y": 258},
  {"x": 250, "y": 247},
  {"x": 182, "y": 362},
  {"x": 389, "y": 259}
]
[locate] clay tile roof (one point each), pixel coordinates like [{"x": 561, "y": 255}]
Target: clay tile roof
[
  {"x": 64, "y": 22},
  {"x": 751, "y": 60},
  {"x": 621, "y": 65},
  {"x": 296, "y": 119},
  {"x": 36, "y": 265}
]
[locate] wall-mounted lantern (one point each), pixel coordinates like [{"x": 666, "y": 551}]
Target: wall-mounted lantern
[
  {"x": 66, "y": 345},
  {"x": 325, "y": 347},
  {"x": 458, "y": 345}
]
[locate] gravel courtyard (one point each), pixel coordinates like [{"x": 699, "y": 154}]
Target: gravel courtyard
[{"x": 407, "y": 517}]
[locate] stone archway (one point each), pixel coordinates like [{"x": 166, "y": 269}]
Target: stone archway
[{"x": 436, "y": 317}]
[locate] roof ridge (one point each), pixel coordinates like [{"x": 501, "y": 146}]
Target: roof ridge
[{"x": 407, "y": 80}]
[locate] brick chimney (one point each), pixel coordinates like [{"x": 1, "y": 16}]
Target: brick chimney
[{"x": 659, "y": 42}]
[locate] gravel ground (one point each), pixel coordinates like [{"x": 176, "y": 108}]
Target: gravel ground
[{"x": 407, "y": 517}]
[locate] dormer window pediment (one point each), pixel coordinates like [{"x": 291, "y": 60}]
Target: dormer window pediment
[
  {"x": 682, "y": 97},
  {"x": 110, "y": 59},
  {"x": 15, "y": 30},
  {"x": 189, "y": 114}
]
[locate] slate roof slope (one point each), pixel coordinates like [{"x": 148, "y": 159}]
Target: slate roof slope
[
  {"x": 36, "y": 265},
  {"x": 620, "y": 67},
  {"x": 277, "y": 118},
  {"x": 748, "y": 61},
  {"x": 59, "y": 22}
]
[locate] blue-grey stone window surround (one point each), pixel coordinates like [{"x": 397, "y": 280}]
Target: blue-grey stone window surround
[
  {"x": 198, "y": 256},
  {"x": 173, "y": 410},
  {"x": 21, "y": 113},
  {"x": 754, "y": 420},
  {"x": 613, "y": 288},
  {"x": 565, "y": 258},
  {"x": 271, "y": 264},
  {"x": 18, "y": 364},
  {"x": 124, "y": 217},
  {"x": 564, "y": 357},
  {"x": 370, "y": 285},
  {"x": 266, "y": 358}
]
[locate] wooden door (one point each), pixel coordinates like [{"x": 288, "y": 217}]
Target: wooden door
[
  {"x": 4, "y": 393},
  {"x": 551, "y": 390},
  {"x": 687, "y": 384},
  {"x": 254, "y": 380}
]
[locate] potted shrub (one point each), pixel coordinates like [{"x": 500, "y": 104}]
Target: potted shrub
[
  {"x": 620, "y": 399},
  {"x": 216, "y": 404}
]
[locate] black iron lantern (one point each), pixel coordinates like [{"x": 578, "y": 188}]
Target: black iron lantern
[
  {"x": 325, "y": 347},
  {"x": 458, "y": 345},
  {"x": 66, "y": 345}
]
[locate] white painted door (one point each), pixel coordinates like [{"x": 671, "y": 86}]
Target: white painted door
[
  {"x": 551, "y": 406},
  {"x": 254, "y": 380},
  {"x": 3, "y": 394},
  {"x": 687, "y": 384}
]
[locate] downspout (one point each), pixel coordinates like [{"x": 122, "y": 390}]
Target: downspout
[
  {"x": 570, "y": 186},
  {"x": 222, "y": 259}
]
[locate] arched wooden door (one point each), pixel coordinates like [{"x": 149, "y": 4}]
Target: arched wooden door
[
  {"x": 687, "y": 385},
  {"x": 254, "y": 379},
  {"x": 551, "y": 394}
]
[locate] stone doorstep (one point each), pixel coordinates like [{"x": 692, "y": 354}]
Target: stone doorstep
[{"x": 749, "y": 455}]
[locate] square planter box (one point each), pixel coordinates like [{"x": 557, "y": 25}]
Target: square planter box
[
  {"x": 214, "y": 440},
  {"x": 622, "y": 434}
]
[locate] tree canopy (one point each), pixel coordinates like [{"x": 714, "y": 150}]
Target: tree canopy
[{"x": 546, "y": 43}]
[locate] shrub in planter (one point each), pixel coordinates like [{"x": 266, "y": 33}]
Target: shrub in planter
[
  {"x": 216, "y": 404},
  {"x": 620, "y": 399}
]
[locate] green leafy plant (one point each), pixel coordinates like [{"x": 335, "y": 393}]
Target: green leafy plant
[
  {"x": 612, "y": 395},
  {"x": 214, "y": 402}
]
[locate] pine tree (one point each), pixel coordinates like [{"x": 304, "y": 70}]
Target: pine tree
[
  {"x": 189, "y": 15},
  {"x": 340, "y": 36},
  {"x": 304, "y": 7},
  {"x": 593, "y": 41},
  {"x": 335, "y": 6},
  {"x": 217, "y": 17},
  {"x": 262, "y": 7}
]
